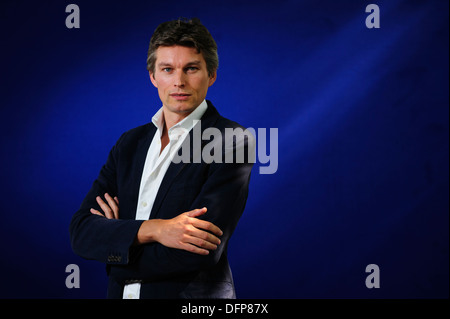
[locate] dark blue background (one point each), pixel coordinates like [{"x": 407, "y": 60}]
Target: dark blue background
[{"x": 363, "y": 119}]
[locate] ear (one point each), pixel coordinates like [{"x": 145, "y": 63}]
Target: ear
[
  {"x": 212, "y": 78},
  {"x": 152, "y": 78}
]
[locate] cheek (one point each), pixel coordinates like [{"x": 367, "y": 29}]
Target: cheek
[
  {"x": 161, "y": 91},
  {"x": 202, "y": 84},
  {"x": 162, "y": 86},
  {"x": 161, "y": 80}
]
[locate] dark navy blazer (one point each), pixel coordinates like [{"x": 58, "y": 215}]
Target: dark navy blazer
[{"x": 164, "y": 272}]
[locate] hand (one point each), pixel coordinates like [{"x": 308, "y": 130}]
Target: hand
[
  {"x": 182, "y": 232},
  {"x": 110, "y": 210}
]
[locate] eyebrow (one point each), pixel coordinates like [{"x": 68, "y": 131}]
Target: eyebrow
[{"x": 195, "y": 62}]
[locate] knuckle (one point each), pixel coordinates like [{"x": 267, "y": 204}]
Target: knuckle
[
  {"x": 187, "y": 230},
  {"x": 205, "y": 236}
]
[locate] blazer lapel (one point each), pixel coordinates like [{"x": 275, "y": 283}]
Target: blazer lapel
[
  {"x": 142, "y": 147},
  {"x": 208, "y": 120}
]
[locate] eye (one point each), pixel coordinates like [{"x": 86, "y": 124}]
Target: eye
[
  {"x": 191, "y": 68},
  {"x": 167, "y": 70}
]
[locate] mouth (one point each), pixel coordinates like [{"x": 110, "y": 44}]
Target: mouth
[{"x": 180, "y": 96}]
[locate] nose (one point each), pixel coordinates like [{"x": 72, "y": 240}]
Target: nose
[{"x": 180, "y": 80}]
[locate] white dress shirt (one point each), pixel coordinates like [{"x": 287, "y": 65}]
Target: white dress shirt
[{"x": 155, "y": 168}]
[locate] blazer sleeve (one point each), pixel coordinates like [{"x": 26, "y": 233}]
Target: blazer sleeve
[
  {"x": 224, "y": 194},
  {"x": 98, "y": 238}
]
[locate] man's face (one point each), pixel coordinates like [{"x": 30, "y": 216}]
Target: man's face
[{"x": 181, "y": 78}]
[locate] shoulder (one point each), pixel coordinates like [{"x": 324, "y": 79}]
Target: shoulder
[
  {"x": 232, "y": 134},
  {"x": 136, "y": 134},
  {"x": 223, "y": 122},
  {"x": 220, "y": 121},
  {"x": 139, "y": 130}
]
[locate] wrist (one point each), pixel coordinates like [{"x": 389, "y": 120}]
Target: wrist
[{"x": 147, "y": 233}]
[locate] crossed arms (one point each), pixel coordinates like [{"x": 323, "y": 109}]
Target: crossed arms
[
  {"x": 189, "y": 238},
  {"x": 182, "y": 232}
]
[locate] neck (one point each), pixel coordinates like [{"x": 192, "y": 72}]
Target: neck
[{"x": 172, "y": 118}]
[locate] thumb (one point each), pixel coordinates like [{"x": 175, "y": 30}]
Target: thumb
[{"x": 197, "y": 212}]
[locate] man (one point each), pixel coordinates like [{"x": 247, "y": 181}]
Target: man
[{"x": 162, "y": 225}]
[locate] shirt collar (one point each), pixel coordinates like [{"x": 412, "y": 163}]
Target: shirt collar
[{"x": 182, "y": 127}]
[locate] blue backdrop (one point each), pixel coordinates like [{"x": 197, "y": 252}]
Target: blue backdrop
[{"x": 363, "y": 120}]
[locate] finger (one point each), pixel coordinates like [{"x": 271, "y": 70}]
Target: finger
[
  {"x": 203, "y": 235},
  {"x": 196, "y": 212},
  {"x": 194, "y": 249},
  {"x": 112, "y": 205},
  {"x": 203, "y": 224},
  {"x": 116, "y": 200},
  {"x": 96, "y": 212},
  {"x": 201, "y": 243},
  {"x": 105, "y": 208}
]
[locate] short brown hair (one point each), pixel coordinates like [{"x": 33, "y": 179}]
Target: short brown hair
[{"x": 188, "y": 33}]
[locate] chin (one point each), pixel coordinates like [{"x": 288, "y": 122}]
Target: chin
[{"x": 181, "y": 107}]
